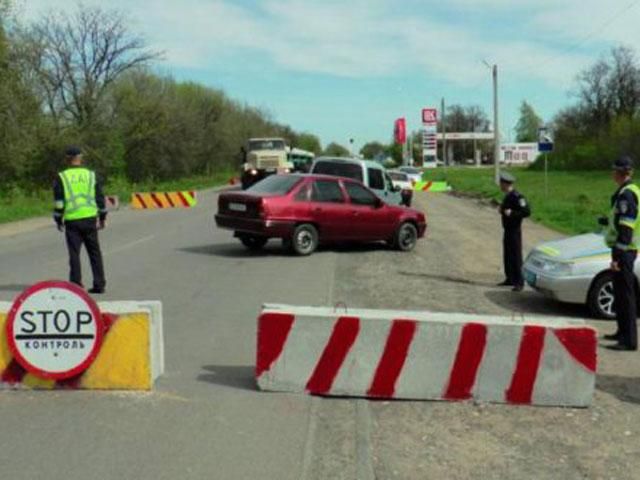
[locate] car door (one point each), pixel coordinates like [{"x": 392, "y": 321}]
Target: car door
[
  {"x": 394, "y": 195},
  {"x": 371, "y": 219},
  {"x": 329, "y": 209},
  {"x": 382, "y": 186}
]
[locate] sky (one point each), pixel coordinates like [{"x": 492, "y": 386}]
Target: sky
[{"x": 348, "y": 69}]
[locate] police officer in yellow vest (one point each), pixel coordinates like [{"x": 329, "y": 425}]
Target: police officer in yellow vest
[
  {"x": 622, "y": 237},
  {"x": 80, "y": 212}
]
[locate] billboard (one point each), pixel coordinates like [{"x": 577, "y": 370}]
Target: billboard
[{"x": 400, "y": 131}]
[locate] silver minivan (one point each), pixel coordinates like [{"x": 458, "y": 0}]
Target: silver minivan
[{"x": 370, "y": 173}]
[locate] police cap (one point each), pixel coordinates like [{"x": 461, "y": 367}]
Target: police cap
[
  {"x": 507, "y": 177},
  {"x": 623, "y": 164},
  {"x": 72, "y": 151}
]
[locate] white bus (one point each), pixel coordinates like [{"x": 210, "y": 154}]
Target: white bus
[{"x": 301, "y": 159}]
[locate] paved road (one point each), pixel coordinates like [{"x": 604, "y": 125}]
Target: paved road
[{"x": 206, "y": 420}]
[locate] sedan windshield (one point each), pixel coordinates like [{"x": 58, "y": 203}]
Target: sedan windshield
[{"x": 276, "y": 184}]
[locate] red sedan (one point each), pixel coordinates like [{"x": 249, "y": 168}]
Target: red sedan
[{"x": 305, "y": 210}]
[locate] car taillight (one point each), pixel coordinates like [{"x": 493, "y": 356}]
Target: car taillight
[{"x": 262, "y": 209}]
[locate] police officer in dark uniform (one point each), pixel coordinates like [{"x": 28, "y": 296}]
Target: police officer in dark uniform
[
  {"x": 623, "y": 239},
  {"x": 513, "y": 209},
  {"x": 80, "y": 211}
]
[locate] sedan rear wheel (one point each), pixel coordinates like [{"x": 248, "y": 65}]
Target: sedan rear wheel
[
  {"x": 406, "y": 237},
  {"x": 253, "y": 242},
  {"x": 601, "y": 301},
  {"x": 304, "y": 240}
]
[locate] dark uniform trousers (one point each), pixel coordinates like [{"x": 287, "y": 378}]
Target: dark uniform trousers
[
  {"x": 79, "y": 232},
  {"x": 625, "y": 295},
  {"x": 512, "y": 255}
]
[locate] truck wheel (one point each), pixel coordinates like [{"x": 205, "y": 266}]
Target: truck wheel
[
  {"x": 304, "y": 240},
  {"x": 600, "y": 300},
  {"x": 406, "y": 237},
  {"x": 253, "y": 242}
]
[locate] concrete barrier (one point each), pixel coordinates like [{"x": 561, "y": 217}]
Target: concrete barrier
[
  {"x": 421, "y": 355},
  {"x": 433, "y": 187},
  {"x": 154, "y": 200},
  {"x": 131, "y": 356}
]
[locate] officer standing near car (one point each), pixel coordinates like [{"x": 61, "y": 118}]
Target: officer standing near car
[
  {"x": 513, "y": 209},
  {"x": 80, "y": 212},
  {"x": 622, "y": 237}
]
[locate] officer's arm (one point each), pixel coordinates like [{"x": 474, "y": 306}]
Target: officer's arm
[
  {"x": 522, "y": 209},
  {"x": 58, "y": 201},
  {"x": 627, "y": 207},
  {"x": 100, "y": 201}
]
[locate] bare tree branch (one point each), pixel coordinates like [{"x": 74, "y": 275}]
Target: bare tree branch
[{"x": 75, "y": 58}]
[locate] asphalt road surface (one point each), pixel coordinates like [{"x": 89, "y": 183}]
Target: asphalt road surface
[{"x": 206, "y": 420}]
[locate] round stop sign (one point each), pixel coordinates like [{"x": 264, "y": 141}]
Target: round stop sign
[{"x": 54, "y": 330}]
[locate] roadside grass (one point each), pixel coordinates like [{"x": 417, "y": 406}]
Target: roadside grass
[
  {"x": 19, "y": 206},
  {"x": 574, "y": 202}
]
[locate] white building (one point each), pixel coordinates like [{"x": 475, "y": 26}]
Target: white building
[{"x": 518, "y": 153}]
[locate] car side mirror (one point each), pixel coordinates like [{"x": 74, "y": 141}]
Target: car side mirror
[
  {"x": 378, "y": 203},
  {"x": 397, "y": 188},
  {"x": 603, "y": 221}
]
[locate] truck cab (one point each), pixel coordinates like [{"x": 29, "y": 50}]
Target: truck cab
[{"x": 264, "y": 157}]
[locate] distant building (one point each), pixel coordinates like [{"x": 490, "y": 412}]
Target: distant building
[{"x": 518, "y": 153}]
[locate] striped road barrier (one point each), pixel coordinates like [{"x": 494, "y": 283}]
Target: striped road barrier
[
  {"x": 153, "y": 200},
  {"x": 435, "y": 187},
  {"x": 427, "y": 356},
  {"x": 112, "y": 202}
]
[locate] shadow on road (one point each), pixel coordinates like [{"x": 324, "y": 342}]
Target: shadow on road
[
  {"x": 626, "y": 389},
  {"x": 13, "y": 288},
  {"x": 274, "y": 249},
  {"x": 528, "y": 302},
  {"x": 235, "y": 376},
  {"x": 447, "y": 278},
  {"x": 234, "y": 250}
]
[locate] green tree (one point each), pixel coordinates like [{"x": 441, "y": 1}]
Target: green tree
[
  {"x": 371, "y": 150},
  {"x": 528, "y": 124},
  {"x": 309, "y": 142},
  {"x": 19, "y": 114},
  {"x": 336, "y": 150},
  {"x": 394, "y": 150}
]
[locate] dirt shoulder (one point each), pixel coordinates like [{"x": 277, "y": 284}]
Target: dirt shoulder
[{"x": 455, "y": 270}]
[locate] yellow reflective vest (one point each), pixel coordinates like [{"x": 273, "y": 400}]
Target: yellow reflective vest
[{"x": 79, "y": 193}]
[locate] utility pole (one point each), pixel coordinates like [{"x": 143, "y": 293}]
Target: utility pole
[
  {"x": 445, "y": 161},
  {"x": 496, "y": 128}
]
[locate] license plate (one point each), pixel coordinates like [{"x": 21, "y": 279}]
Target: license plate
[
  {"x": 238, "y": 207},
  {"x": 271, "y": 170},
  {"x": 530, "y": 277}
]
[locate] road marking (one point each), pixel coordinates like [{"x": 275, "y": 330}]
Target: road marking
[
  {"x": 126, "y": 246},
  {"x": 310, "y": 440},
  {"x": 364, "y": 463},
  {"x": 129, "y": 245}
]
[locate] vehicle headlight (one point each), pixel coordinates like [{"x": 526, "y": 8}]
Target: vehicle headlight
[
  {"x": 253, "y": 172},
  {"x": 556, "y": 268},
  {"x": 286, "y": 170}
]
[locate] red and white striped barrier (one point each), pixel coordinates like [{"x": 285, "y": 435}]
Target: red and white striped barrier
[
  {"x": 112, "y": 202},
  {"x": 421, "y": 355}
]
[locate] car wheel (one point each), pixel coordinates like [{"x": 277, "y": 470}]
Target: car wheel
[
  {"x": 601, "y": 299},
  {"x": 253, "y": 242},
  {"x": 406, "y": 237},
  {"x": 304, "y": 240}
]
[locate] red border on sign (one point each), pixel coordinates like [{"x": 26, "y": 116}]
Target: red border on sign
[{"x": 95, "y": 311}]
